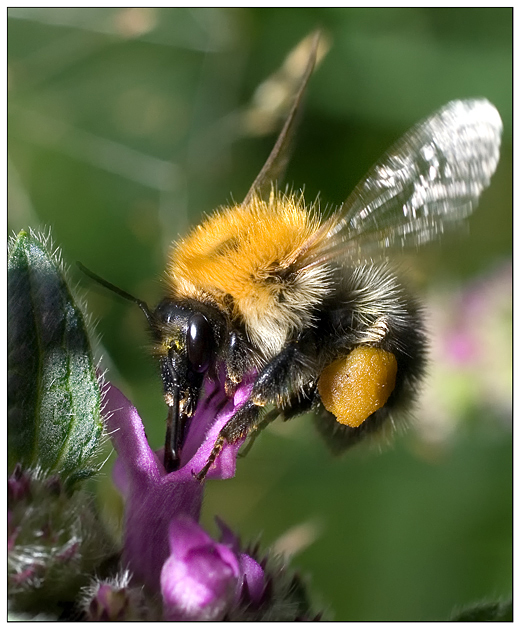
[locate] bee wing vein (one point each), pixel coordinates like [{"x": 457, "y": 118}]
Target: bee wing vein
[{"x": 429, "y": 181}]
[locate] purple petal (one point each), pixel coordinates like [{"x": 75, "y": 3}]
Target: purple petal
[
  {"x": 253, "y": 575},
  {"x": 153, "y": 497},
  {"x": 214, "y": 410},
  {"x": 184, "y": 535},
  {"x": 227, "y": 536},
  {"x": 127, "y": 433},
  {"x": 251, "y": 572},
  {"x": 199, "y": 579}
]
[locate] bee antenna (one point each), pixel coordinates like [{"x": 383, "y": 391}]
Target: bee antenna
[{"x": 119, "y": 291}]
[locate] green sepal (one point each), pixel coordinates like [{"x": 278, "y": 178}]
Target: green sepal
[{"x": 54, "y": 399}]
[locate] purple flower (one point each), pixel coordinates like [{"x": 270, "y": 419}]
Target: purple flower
[
  {"x": 202, "y": 579},
  {"x": 108, "y": 603},
  {"x": 18, "y": 484},
  {"x": 114, "y": 599},
  {"x": 164, "y": 547},
  {"x": 199, "y": 579}
]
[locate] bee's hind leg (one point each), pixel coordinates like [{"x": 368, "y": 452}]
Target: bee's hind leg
[
  {"x": 263, "y": 423},
  {"x": 300, "y": 402}
]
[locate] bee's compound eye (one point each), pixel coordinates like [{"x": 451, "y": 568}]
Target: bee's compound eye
[{"x": 200, "y": 342}]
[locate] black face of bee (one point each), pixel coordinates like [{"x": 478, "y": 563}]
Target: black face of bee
[{"x": 187, "y": 341}]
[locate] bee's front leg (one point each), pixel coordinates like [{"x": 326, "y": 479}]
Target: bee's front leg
[
  {"x": 238, "y": 360},
  {"x": 288, "y": 381},
  {"x": 289, "y": 376},
  {"x": 245, "y": 420}
]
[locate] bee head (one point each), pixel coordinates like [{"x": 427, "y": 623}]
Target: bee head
[
  {"x": 187, "y": 336},
  {"x": 186, "y": 344}
]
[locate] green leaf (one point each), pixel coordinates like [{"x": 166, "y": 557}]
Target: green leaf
[
  {"x": 54, "y": 400},
  {"x": 486, "y": 612}
]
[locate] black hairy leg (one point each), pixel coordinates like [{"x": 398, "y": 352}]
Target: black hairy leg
[
  {"x": 288, "y": 382},
  {"x": 245, "y": 420},
  {"x": 299, "y": 403},
  {"x": 286, "y": 378},
  {"x": 237, "y": 357}
]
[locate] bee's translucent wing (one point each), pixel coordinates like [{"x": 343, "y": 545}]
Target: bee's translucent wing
[
  {"x": 427, "y": 182},
  {"x": 276, "y": 164}
]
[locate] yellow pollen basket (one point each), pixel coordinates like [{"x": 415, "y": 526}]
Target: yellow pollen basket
[{"x": 354, "y": 387}]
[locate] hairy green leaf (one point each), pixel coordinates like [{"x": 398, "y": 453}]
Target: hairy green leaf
[{"x": 54, "y": 400}]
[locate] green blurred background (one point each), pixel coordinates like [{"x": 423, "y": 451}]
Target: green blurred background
[{"x": 122, "y": 133}]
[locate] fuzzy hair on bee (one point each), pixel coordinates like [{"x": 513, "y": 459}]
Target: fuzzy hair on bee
[
  {"x": 310, "y": 305},
  {"x": 243, "y": 261}
]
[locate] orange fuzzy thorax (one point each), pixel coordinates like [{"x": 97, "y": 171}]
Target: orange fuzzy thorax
[{"x": 236, "y": 260}]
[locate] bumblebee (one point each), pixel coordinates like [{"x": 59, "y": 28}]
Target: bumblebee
[{"x": 310, "y": 304}]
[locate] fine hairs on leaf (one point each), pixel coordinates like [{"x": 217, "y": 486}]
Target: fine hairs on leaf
[{"x": 54, "y": 402}]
